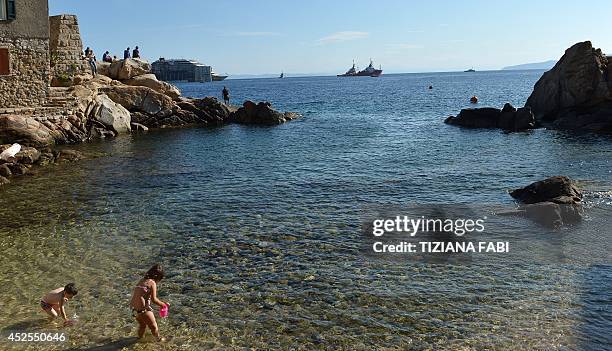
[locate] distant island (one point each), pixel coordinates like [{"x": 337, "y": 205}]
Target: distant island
[{"x": 537, "y": 65}]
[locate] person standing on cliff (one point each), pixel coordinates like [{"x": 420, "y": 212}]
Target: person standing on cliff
[
  {"x": 126, "y": 54},
  {"x": 91, "y": 58},
  {"x": 136, "y": 53},
  {"x": 226, "y": 97}
]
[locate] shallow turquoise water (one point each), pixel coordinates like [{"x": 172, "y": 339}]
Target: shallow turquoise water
[{"x": 259, "y": 227}]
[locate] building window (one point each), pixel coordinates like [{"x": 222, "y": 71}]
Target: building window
[
  {"x": 7, "y": 10},
  {"x": 3, "y": 8},
  {"x": 4, "y": 62}
]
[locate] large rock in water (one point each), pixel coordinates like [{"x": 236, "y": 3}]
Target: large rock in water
[
  {"x": 127, "y": 69},
  {"x": 552, "y": 201},
  {"x": 261, "y": 113},
  {"x": 111, "y": 114},
  {"x": 558, "y": 189},
  {"x": 149, "y": 80},
  {"x": 577, "y": 93},
  {"x": 509, "y": 118}
]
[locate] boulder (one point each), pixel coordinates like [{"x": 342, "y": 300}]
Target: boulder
[
  {"x": 81, "y": 78},
  {"x": 103, "y": 68},
  {"x": 149, "y": 80},
  {"x": 551, "y": 202},
  {"x": 140, "y": 99},
  {"x": 576, "y": 94},
  {"x": 5, "y": 171},
  {"x": 25, "y": 131},
  {"x": 128, "y": 69},
  {"x": 486, "y": 117},
  {"x": 508, "y": 118},
  {"x": 260, "y": 114},
  {"x": 4, "y": 181},
  {"x": 111, "y": 114},
  {"x": 558, "y": 189},
  {"x": 208, "y": 110}
]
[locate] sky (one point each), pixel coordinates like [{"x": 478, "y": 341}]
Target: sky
[{"x": 241, "y": 37}]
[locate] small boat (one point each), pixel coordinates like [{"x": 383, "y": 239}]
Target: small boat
[
  {"x": 470, "y": 70},
  {"x": 217, "y": 77},
  {"x": 474, "y": 99},
  {"x": 282, "y": 75}
]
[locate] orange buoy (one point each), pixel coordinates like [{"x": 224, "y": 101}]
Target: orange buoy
[{"x": 474, "y": 99}]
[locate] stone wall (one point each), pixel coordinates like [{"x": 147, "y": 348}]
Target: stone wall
[
  {"x": 28, "y": 82},
  {"x": 27, "y": 41},
  {"x": 66, "y": 47}
]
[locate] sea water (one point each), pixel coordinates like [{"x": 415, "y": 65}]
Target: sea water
[{"x": 259, "y": 227}]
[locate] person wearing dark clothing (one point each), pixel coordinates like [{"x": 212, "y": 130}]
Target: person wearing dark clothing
[
  {"x": 107, "y": 57},
  {"x": 91, "y": 59},
  {"x": 226, "y": 97},
  {"x": 136, "y": 53},
  {"x": 126, "y": 54},
  {"x": 88, "y": 52}
]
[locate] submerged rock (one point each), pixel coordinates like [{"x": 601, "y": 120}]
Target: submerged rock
[{"x": 576, "y": 94}]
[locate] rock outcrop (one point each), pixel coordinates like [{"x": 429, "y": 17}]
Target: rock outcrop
[
  {"x": 509, "y": 118},
  {"x": 28, "y": 158},
  {"x": 260, "y": 114},
  {"x": 577, "y": 93},
  {"x": 26, "y": 131},
  {"x": 105, "y": 106},
  {"x": 149, "y": 80},
  {"x": 140, "y": 99},
  {"x": 552, "y": 201},
  {"x": 127, "y": 69}
]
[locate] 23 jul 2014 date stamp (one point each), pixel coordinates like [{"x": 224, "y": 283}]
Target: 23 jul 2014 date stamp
[{"x": 33, "y": 337}]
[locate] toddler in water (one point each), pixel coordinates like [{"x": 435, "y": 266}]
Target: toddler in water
[
  {"x": 53, "y": 303},
  {"x": 144, "y": 293}
]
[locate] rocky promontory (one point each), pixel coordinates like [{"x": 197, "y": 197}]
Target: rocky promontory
[
  {"x": 123, "y": 97},
  {"x": 576, "y": 95}
]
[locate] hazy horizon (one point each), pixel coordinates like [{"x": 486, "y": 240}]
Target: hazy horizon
[{"x": 322, "y": 38}]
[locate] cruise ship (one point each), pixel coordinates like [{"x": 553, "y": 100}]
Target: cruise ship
[{"x": 184, "y": 70}]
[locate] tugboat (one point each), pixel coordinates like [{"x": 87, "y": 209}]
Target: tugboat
[{"x": 369, "y": 71}]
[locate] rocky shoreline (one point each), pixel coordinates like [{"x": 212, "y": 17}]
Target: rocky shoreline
[
  {"x": 124, "y": 97},
  {"x": 575, "y": 95}
]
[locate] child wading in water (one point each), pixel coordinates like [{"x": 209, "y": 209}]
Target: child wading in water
[
  {"x": 145, "y": 292},
  {"x": 53, "y": 303}
]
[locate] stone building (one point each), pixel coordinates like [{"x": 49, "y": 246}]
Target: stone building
[{"x": 24, "y": 53}]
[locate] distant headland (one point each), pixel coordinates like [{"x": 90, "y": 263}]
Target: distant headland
[{"x": 535, "y": 65}]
